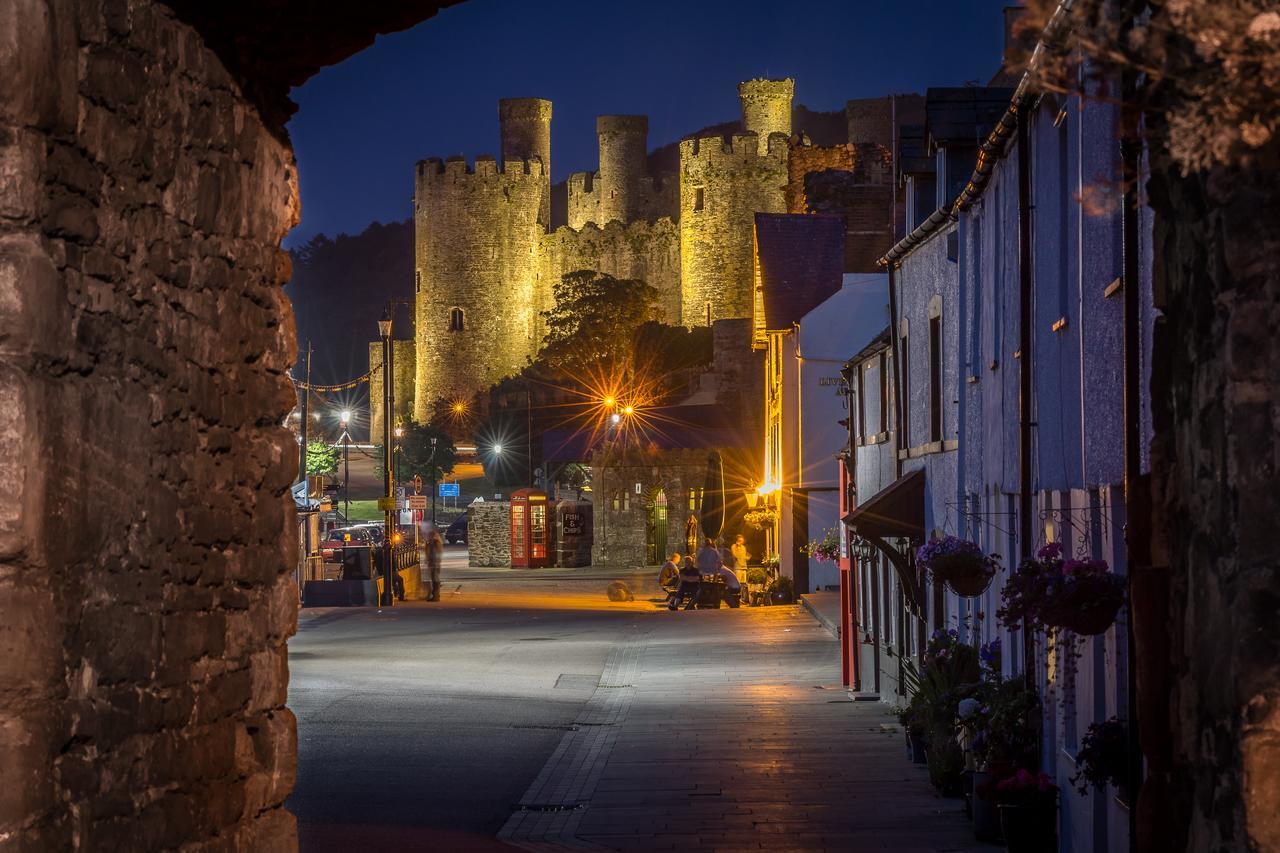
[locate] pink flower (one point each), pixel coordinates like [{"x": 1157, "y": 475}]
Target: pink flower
[{"x": 1052, "y": 551}]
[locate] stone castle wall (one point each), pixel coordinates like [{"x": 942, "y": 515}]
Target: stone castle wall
[
  {"x": 620, "y": 520},
  {"x": 489, "y": 534},
  {"x": 640, "y": 250},
  {"x": 477, "y": 237},
  {"x": 766, "y": 109},
  {"x": 404, "y": 355},
  {"x": 722, "y": 186},
  {"x": 147, "y": 538}
]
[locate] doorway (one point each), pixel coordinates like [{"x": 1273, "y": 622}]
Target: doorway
[{"x": 656, "y": 530}]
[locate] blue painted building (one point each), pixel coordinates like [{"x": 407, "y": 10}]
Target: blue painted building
[{"x": 1008, "y": 334}]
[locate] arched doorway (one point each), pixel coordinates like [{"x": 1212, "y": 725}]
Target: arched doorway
[{"x": 656, "y": 529}]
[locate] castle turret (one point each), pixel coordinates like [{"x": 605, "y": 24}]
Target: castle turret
[
  {"x": 525, "y": 125},
  {"x": 723, "y": 184},
  {"x": 766, "y": 108},
  {"x": 477, "y": 233},
  {"x": 623, "y": 150}
]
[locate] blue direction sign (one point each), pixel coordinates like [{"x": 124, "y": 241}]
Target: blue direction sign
[{"x": 450, "y": 490}]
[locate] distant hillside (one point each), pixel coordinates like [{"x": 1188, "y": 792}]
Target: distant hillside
[{"x": 339, "y": 289}]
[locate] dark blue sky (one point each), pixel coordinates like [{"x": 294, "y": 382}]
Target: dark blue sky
[{"x": 434, "y": 90}]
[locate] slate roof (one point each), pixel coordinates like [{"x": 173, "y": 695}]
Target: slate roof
[
  {"x": 800, "y": 261},
  {"x": 963, "y": 114}
]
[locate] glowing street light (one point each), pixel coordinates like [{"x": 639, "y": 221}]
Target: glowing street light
[
  {"x": 497, "y": 449},
  {"x": 629, "y": 410},
  {"x": 346, "y": 417},
  {"x": 615, "y": 418},
  {"x": 610, "y": 402},
  {"x": 459, "y": 407}
]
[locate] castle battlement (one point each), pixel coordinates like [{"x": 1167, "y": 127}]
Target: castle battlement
[
  {"x": 638, "y": 227},
  {"x": 710, "y": 149},
  {"x": 452, "y": 170}
]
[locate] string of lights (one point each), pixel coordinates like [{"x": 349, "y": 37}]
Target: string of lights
[{"x": 323, "y": 389}]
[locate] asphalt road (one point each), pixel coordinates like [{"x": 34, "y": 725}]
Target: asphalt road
[{"x": 420, "y": 726}]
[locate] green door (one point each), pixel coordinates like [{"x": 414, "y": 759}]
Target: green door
[{"x": 656, "y": 529}]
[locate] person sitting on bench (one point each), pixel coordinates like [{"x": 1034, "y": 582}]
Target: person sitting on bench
[
  {"x": 732, "y": 587},
  {"x": 669, "y": 577},
  {"x": 691, "y": 580}
]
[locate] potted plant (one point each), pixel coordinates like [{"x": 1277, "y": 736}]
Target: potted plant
[
  {"x": 949, "y": 672},
  {"x": 959, "y": 563},
  {"x": 1082, "y": 596},
  {"x": 756, "y": 579},
  {"x": 1028, "y": 813},
  {"x": 779, "y": 590},
  {"x": 1103, "y": 758},
  {"x": 826, "y": 551},
  {"x": 908, "y": 718},
  {"x": 760, "y": 519}
]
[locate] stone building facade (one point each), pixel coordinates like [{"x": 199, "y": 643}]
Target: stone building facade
[
  {"x": 487, "y": 253},
  {"x": 489, "y": 534},
  {"x": 404, "y": 378}
]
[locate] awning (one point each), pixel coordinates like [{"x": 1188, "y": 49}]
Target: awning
[{"x": 895, "y": 511}]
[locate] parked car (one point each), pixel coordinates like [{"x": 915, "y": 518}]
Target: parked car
[
  {"x": 340, "y": 537},
  {"x": 457, "y": 531},
  {"x": 374, "y": 529}
]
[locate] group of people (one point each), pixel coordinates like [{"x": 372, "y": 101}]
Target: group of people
[{"x": 681, "y": 577}]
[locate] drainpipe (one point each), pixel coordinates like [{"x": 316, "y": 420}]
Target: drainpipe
[
  {"x": 1024, "y": 369},
  {"x": 1150, "y": 606}
]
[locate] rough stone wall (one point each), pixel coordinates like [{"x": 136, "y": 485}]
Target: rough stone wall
[
  {"x": 623, "y": 152},
  {"x": 804, "y": 160},
  {"x": 732, "y": 182},
  {"x": 872, "y": 120},
  {"x": 766, "y": 109},
  {"x": 620, "y": 536},
  {"x": 649, "y": 252},
  {"x": 489, "y": 533},
  {"x": 525, "y": 128},
  {"x": 404, "y": 373},
  {"x": 1206, "y": 615},
  {"x": 477, "y": 237},
  {"x": 147, "y": 538},
  {"x": 739, "y": 372}
]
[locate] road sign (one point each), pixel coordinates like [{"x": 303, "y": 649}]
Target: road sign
[
  {"x": 417, "y": 484},
  {"x": 417, "y": 501},
  {"x": 450, "y": 490}
]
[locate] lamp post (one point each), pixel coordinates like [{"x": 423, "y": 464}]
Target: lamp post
[
  {"x": 388, "y": 479},
  {"x": 346, "y": 466},
  {"x": 432, "y": 462}
]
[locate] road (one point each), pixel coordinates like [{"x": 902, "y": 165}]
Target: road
[{"x": 529, "y": 707}]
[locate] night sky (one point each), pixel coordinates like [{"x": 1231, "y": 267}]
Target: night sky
[{"x": 434, "y": 90}]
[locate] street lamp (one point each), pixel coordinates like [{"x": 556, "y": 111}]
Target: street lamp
[
  {"x": 346, "y": 466},
  {"x": 388, "y": 479},
  {"x": 432, "y": 462}
]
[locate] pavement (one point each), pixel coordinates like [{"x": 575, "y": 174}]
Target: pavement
[{"x": 531, "y": 712}]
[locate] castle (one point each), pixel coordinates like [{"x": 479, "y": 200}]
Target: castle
[{"x": 487, "y": 254}]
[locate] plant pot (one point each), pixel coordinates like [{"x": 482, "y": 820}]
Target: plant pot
[
  {"x": 1087, "y": 623},
  {"x": 1029, "y": 829},
  {"x": 986, "y": 817},
  {"x": 969, "y": 586},
  {"x": 916, "y": 751},
  {"x": 966, "y": 574}
]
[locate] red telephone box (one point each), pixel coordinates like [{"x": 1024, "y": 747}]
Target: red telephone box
[{"x": 530, "y": 548}]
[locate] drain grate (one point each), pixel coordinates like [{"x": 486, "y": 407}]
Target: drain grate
[
  {"x": 544, "y": 728},
  {"x": 615, "y": 686},
  {"x": 547, "y": 807}
]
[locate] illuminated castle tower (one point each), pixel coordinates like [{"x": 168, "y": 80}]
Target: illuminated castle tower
[
  {"x": 476, "y": 246},
  {"x": 722, "y": 187}
]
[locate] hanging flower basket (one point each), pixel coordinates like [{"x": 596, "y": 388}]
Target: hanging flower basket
[
  {"x": 1082, "y": 596},
  {"x": 959, "y": 563}
]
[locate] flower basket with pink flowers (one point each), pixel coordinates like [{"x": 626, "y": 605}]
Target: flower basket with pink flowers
[{"x": 1082, "y": 596}]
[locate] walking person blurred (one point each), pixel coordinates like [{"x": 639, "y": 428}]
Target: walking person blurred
[{"x": 434, "y": 551}]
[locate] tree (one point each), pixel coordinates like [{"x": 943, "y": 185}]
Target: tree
[
  {"x": 593, "y": 323},
  {"x": 322, "y": 458},
  {"x": 415, "y": 454}
]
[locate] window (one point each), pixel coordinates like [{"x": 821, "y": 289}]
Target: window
[
  {"x": 698, "y": 199},
  {"x": 617, "y": 501},
  {"x": 953, "y": 246},
  {"x": 884, "y": 392},
  {"x": 935, "y": 379},
  {"x": 708, "y": 313},
  {"x": 417, "y": 281},
  {"x": 904, "y": 376},
  {"x": 862, "y": 403},
  {"x": 457, "y": 320}
]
